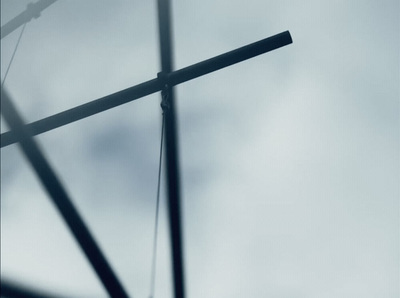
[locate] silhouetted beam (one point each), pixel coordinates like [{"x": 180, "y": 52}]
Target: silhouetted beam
[
  {"x": 171, "y": 147},
  {"x": 33, "y": 10},
  {"x": 174, "y": 78},
  {"x": 61, "y": 199},
  {"x": 13, "y": 290}
]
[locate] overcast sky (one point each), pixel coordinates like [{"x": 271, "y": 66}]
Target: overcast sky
[{"x": 289, "y": 161}]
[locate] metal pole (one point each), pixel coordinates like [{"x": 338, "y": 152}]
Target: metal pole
[
  {"x": 33, "y": 10},
  {"x": 61, "y": 199},
  {"x": 173, "y": 78},
  {"x": 12, "y": 290},
  {"x": 229, "y": 58},
  {"x": 171, "y": 146}
]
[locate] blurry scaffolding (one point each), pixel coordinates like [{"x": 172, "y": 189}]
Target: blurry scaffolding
[{"x": 165, "y": 81}]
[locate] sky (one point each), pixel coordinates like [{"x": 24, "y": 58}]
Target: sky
[{"x": 289, "y": 161}]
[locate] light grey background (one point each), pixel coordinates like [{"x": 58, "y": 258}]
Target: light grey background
[{"x": 289, "y": 161}]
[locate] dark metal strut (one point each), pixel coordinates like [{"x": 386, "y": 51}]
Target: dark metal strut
[
  {"x": 12, "y": 290},
  {"x": 173, "y": 78},
  {"x": 61, "y": 199},
  {"x": 171, "y": 146}
]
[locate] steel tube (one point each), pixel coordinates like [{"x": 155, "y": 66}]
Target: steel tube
[
  {"x": 171, "y": 148},
  {"x": 84, "y": 110},
  {"x": 61, "y": 199},
  {"x": 230, "y": 58},
  {"x": 174, "y": 78},
  {"x": 13, "y": 290}
]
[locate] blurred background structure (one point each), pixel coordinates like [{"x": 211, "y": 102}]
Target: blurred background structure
[{"x": 290, "y": 161}]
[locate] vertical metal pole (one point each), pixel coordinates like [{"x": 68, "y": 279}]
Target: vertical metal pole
[{"x": 171, "y": 141}]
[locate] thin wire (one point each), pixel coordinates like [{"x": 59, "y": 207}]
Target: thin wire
[
  {"x": 12, "y": 57},
  {"x": 153, "y": 265}
]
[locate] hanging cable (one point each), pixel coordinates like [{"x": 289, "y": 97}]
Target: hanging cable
[
  {"x": 154, "y": 258},
  {"x": 12, "y": 57},
  {"x": 164, "y": 106}
]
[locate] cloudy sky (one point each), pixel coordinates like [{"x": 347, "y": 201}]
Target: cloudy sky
[{"x": 289, "y": 161}]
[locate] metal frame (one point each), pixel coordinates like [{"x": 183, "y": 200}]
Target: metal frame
[{"x": 166, "y": 79}]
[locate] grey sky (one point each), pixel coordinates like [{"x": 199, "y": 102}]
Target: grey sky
[{"x": 290, "y": 161}]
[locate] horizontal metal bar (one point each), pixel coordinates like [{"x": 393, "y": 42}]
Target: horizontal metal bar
[
  {"x": 33, "y": 10},
  {"x": 229, "y": 58},
  {"x": 85, "y": 110},
  {"x": 61, "y": 199},
  {"x": 152, "y": 86}
]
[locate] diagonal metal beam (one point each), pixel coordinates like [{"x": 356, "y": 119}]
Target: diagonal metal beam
[
  {"x": 33, "y": 10},
  {"x": 10, "y": 289},
  {"x": 171, "y": 147},
  {"x": 173, "y": 78},
  {"x": 61, "y": 199}
]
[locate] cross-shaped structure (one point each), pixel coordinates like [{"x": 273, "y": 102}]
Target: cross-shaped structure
[{"x": 165, "y": 81}]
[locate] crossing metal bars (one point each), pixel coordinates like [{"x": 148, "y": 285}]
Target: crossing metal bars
[{"x": 165, "y": 81}]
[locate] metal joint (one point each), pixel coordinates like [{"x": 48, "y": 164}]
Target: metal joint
[
  {"x": 163, "y": 77},
  {"x": 33, "y": 11}
]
